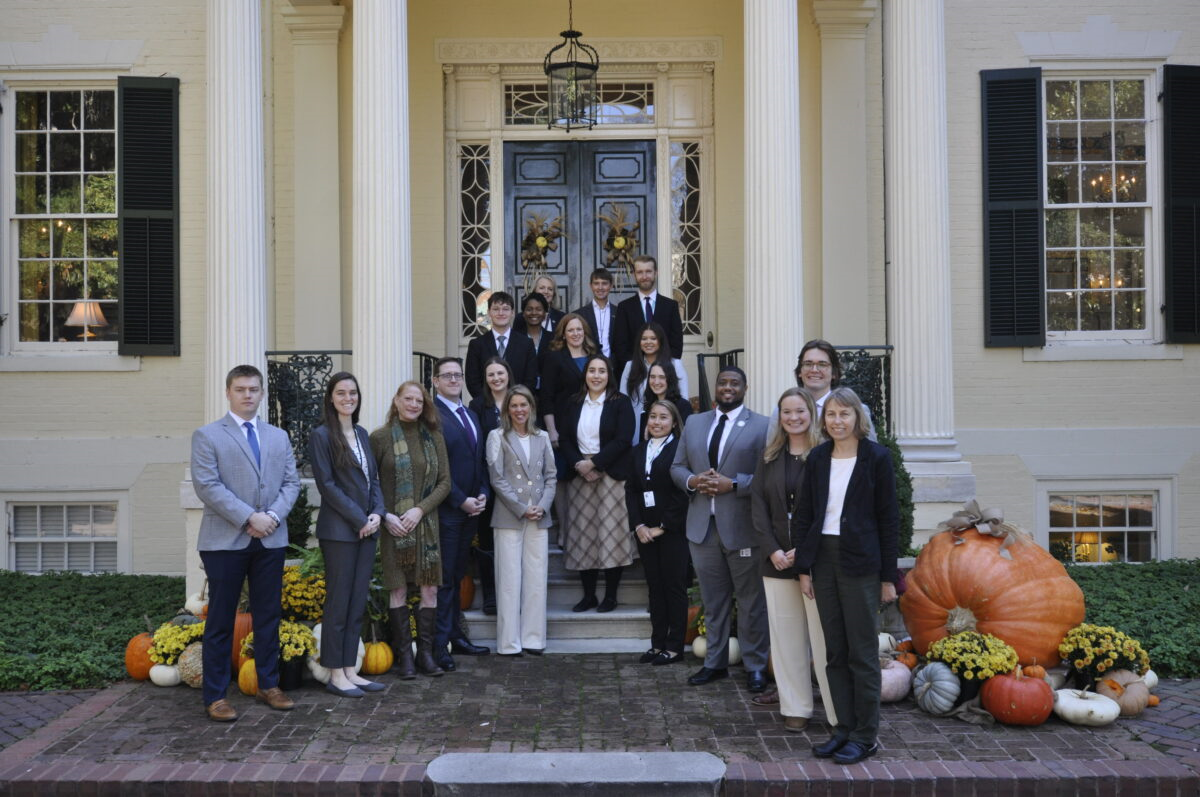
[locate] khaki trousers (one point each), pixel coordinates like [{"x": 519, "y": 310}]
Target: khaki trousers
[
  {"x": 796, "y": 643},
  {"x": 521, "y": 572}
]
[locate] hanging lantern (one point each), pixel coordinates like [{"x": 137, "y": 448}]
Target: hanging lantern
[{"x": 571, "y": 68}]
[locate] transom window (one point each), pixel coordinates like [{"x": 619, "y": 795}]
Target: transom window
[
  {"x": 1104, "y": 527},
  {"x": 620, "y": 103},
  {"x": 78, "y": 537},
  {"x": 1098, "y": 211},
  {"x": 66, "y": 216}
]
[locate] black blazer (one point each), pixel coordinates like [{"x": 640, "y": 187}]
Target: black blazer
[
  {"x": 683, "y": 405},
  {"x": 519, "y": 354},
  {"x": 768, "y": 507},
  {"x": 631, "y": 316},
  {"x": 561, "y": 380},
  {"x": 487, "y": 413},
  {"x": 870, "y": 526},
  {"x": 468, "y": 466},
  {"x": 589, "y": 316},
  {"x": 670, "y": 503},
  {"x": 555, "y": 315},
  {"x": 616, "y": 434},
  {"x": 347, "y": 496}
]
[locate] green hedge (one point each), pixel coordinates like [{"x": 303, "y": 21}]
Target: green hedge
[
  {"x": 69, "y": 631},
  {"x": 1157, "y": 603}
]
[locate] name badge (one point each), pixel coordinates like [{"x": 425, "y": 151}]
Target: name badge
[
  {"x": 648, "y": 498},
  {"x": 744, "y": 553}
]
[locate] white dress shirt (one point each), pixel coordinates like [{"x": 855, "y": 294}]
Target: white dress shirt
[
  {"x": 603, "y": 323},
  {"x": 587, "y": 434},
  {"x": 839, "y": 480}
]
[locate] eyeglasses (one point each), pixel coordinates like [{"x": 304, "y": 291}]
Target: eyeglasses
[
  {"x": 813, "y": 365},
  {"x": 452, "y": 377}
]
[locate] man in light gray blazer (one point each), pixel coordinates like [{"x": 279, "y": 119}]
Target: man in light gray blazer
[
  {"x": 715, "y": 463},
  {"x": 244, "y": 472}
]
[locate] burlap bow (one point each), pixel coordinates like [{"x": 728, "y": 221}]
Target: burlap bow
[{"x": 986, "y": 521}]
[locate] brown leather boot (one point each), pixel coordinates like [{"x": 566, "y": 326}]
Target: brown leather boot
[
  {"x": 426, "y": 625},
  {"x": 402, "y": 643}
]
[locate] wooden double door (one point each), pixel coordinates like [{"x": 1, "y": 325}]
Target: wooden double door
[{"x": 579, "y": 181}]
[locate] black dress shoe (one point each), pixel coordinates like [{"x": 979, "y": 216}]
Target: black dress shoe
[
  {"x": 516, "y": 655},
  {"x": 704, "y": 675},
  {"x": 649, "y": 656},
  {"x": 588, "y": 602},
  {"x": 535, "y": 651},
  {"x": 666, "y": 657},
  {"x": 756, "y": 681},
  {"x": 464, "y": 647},
  {"x": 444, "y": 661},
  {"x": 853, "y": 752},
  {"x": 827, "y": 748},
  {"x": 607, "y": 605}
]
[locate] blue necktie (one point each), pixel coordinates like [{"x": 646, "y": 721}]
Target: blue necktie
[
  {"x": 649, "y": 311},
  {"x": 252, "y": 438}
]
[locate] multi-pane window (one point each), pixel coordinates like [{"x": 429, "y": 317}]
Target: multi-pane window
[
  {"x": 1104, "y": 527},
  {"x": 1097, "y": 207},
  {"x": 66, "y": 216},
  {"x": 618, "y": 103},
  {"x": 79, "y": 537}
]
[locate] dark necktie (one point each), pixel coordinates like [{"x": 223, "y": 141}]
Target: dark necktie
[
  {"x": 501, "y": 345},
  {"x": 649, "y": 311},
  {"x": 252, "y": 439},
  {"x": 462, "y": 414},
  {"x": 714, "y": 445}
]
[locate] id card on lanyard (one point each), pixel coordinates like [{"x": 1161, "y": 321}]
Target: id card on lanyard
[{"x": 648, "y": 495}]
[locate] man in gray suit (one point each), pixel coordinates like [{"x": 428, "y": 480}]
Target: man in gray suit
[
  {"x": 244, "y": 472},
  {"x": 715, "y": 464}
]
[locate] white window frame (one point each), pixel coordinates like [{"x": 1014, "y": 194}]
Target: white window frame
[
  {"x": 1165, "y": 517},
  {"x": 124, "y": 530},
  {"x": 71, "y": 356},
  {"x": 1154, "y": 331}
]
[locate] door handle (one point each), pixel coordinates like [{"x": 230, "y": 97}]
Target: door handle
[{"x": 709, "y": 339}]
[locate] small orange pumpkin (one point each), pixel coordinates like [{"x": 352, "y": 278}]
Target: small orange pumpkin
[
  {"x": 906, "y": 646},
  {"x": 378, "y": 658},
  {"x": 248, "y": 678},
  {"x": 466, "y": 592},
  {"x": 243, "y": 624},
  {"x": 907, "y": 658},
  {"x": 1033, "y": 671},
  {"x": 1153, "y": 701},
  {"x": 137, "y": 656},
  {"x": 1017, "y": 700}
]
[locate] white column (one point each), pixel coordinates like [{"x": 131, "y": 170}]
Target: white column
[
  {"x": 844, "y": 254},
  {"x": 317, "y": 295},
  {"x": 918, "y": 243},
  {"x": 773, "y": 262},
  {"x": 237, "y": 231},
  {"x": 382, "y": 258}
]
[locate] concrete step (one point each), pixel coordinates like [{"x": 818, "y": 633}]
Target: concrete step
[
  {"x": 522, "y": 774},
  {"x": 561, "y": 623}
]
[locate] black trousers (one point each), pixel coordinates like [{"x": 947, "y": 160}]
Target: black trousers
[{"x": 665, "y": 561}]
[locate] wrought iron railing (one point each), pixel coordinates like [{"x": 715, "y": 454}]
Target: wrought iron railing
[
  {"x": 296, "y": 382},
  {"x": 865, "y": 369}
]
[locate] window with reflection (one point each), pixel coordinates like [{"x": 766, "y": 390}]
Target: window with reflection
[
  {"x": 65, "y": 216},
  {"x": 1096, "y": 528}
]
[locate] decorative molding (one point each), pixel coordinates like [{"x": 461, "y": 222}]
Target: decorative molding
[
  {"x": 313, "y": 22},
  {"x": 61, "y": 48},
  {"x": 844, "y": 19},
  {"x": 1100, "y": 39},
  {"x": 524, "y": 51},
  {"x": 607, "y": 71}
]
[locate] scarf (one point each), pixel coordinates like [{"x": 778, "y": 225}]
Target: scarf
[{"x": 421, "y": 547}]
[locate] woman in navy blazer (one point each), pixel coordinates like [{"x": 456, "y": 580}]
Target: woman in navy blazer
[
  {"x": 658, "y": 518},
  {"x": 595, "y": 436},
  {"x": 351, "y": 510},
  {"x": 845, "y": 531}
]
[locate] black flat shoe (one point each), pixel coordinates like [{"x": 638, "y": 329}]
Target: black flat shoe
[
  {"x": 666, "y": 657},
  {"x": 756, "y": 681},
  {"x": 853, "y": 752},
  {"x": 649, "y": 656},
  {"x": 464, "y": 647},
  {"x": 516, "y": 655},
  {"x": 445, "y": 661},
  {"x": 704, "y": 675},
  {"x": 827, "y": 748},
  {"x": 535, "y": 651},
  {"x": 589, "y": 602},
  {"x": 607, "y": 605}
]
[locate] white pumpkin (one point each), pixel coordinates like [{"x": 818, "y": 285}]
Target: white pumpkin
[
  {"x": 195, "y": 603},
  {"x": 887, "y": 644},
  {"x": 735, "y": 650},
  {"x": 165, "y": 675},
  {"x": 896, "y": 680},
  {"x": 362, "y": 654},
  {"x": 700, "y": 647},
  {"x": 1150, "y": 677},
  {"x": 1080, "y": 707},
  {"x": 319, "y": 673}
]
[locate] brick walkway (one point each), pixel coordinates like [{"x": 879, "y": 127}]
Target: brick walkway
[
  {"x": 22, "y": 713},
  {"x": 588, "y": 703}
]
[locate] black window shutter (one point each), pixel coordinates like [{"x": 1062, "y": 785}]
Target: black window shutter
[
  {"x": 1181, "y": 170},
  {"x": 148, "y": 212},
  {"x": 1013, "y": 258}
]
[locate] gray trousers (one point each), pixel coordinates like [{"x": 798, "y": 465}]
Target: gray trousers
[
  {"x": 849, "y": 609},
  {"x": 722, "y": 574},
  {"x": 348, "y": 567}
]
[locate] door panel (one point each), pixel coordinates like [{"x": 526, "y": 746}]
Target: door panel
[{"x": 578, "y": 180}]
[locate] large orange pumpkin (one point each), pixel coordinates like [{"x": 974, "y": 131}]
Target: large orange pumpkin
[
  {"x": 243, "y": 624},
  {"x": 137, "y": 656},
  {"x": 1027, "y": 600}
]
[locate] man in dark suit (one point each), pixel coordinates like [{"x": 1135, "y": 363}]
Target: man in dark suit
[
  {"x": 715, "y": 463},
  {"x": 515, "y": 347},
  {"x": 599, "y": 313},
  {"x": 244, "y": 472},
  {"x": 640, "y": 309},
  {"x": 458, "y": 515}
]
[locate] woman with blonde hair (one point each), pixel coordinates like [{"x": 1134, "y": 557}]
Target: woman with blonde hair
[
  {"x": 796, "y": 637},
  {"x": 414, "y": 472},
  {"x": 521, "y": 464}
]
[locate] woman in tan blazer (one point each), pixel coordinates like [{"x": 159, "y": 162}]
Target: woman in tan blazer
[{"x": 521, "y": 465}]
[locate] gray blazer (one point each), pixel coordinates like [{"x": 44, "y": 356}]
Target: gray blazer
[
  {"x": 347, "y": 495},
  {"x": 233, "y": 486},
  {"x": 518, "y": 482},
  {"x": 740, "y": 458}
]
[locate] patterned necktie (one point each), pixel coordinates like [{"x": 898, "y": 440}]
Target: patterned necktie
[
  {"x": 714, "y": 445},
  {"x": 462, "y": 414},
  {"x": 649, "y": 311},
  {"x": 252, "y": 439},
  {"x": 501, "y": 345}
]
